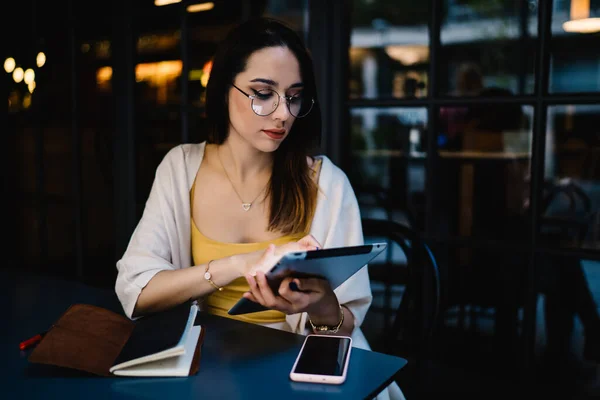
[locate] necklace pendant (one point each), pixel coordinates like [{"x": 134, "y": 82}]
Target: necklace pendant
[{"x": 246, "y": 206}]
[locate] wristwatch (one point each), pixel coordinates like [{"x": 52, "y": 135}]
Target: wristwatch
[
  {"x": 328, "y": 328},
  {"x": 208, "y": 277}
]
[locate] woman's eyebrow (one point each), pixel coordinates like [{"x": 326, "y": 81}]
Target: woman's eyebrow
[
  {"x": 273, "y": 83},
  {"x": 263, "y": 80}
]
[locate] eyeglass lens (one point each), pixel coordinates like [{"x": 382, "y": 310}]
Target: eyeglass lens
[{"x": 266, "y": 101}]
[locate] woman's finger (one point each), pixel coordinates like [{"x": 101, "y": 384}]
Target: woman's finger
[
  {"x": 313, "y": 285},
  {"x": 301, "y": 301},
  {"x": 250, "y": 296},
  {"x": 269, "y": 298},
  {"x": 254, "y": 288},
  {"x": 288, "y": 289},
  {"x": 307, "y": 243},
  {"x": 310, "y": 241}
]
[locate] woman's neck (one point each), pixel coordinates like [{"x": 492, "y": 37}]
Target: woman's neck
[{"x": 242, "y": 161}]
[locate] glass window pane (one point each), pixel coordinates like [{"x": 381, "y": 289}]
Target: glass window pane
[
  {"x": 292, "y": 12},
  {"x": 488, "y": 46},
  {"x": 478, "y": 279},
  {"x": 570, "y": 212},
  {"x": 575, "y": 53},
  {"x": 389, "y": 53},
  {"x": 388, "y": 162},
  {"x": 482, "y": 171}
]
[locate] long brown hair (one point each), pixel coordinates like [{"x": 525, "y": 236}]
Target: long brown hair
[{"x": 291, "y": 189}]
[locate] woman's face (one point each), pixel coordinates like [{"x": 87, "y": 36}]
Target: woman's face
[{"x": 274, "y": 68}]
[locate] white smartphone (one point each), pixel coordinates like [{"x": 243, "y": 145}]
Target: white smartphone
[{"x": 322, "y": 359}]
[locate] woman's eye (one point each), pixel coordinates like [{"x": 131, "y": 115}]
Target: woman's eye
[{"x": 263, "y": 94}]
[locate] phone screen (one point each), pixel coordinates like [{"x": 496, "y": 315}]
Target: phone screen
[{"x": 323, "y": 355}]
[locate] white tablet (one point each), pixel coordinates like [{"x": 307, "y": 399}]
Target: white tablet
[{"x": 335, "y": 265}]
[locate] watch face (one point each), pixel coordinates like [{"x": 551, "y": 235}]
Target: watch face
[{"x": 207, "y": 275}]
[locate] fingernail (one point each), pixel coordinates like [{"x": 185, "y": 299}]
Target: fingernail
[{"x": 293, "y": 286}]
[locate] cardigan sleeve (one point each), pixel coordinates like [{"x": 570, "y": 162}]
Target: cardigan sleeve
[
  {"x": 150, "y": 248},
  {"x": 338, "y": 223},
  {"x": 354, "y": 293}
]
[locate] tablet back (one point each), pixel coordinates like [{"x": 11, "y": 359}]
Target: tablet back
[{"x": 335, "y": 265}]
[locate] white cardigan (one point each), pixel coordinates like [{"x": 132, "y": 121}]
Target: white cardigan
[{"x": 162, "y": 238}]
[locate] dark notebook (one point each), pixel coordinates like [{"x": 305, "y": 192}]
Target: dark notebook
[{"x": 99, "y": 341}]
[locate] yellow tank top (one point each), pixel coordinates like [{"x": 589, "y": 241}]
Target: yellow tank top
[{"x": 205, "y": 249}]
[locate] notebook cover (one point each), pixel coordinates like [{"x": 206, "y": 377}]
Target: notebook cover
[
  {"x": 154, "y": 333},
  {"x": 86, "y": 338},
  {"x": 93, "y": 339}
]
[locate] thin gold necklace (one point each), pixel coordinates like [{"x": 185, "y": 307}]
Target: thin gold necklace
[{"x": 245, "y": 205}]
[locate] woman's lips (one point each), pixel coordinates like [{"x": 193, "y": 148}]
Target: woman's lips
[{"x": 274, "y": 133}]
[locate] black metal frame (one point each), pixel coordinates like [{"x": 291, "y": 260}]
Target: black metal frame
[
  {"x": 185, "y": 72},
  {"x": 328, "y": 40},
  {"x": 76, "y": 148},
  {"x": 123, "y": 61}
]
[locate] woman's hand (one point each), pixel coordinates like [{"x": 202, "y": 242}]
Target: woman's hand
[
  {"x": 265, "y": 260},
  {"x": 307, "y": 243},
  {"x": 295, "y": 295}
]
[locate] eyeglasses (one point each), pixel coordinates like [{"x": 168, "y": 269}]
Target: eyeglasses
[{"x": 266, "y": 101}]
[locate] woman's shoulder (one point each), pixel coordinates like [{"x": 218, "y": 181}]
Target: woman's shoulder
[
  {"x": 181, "y": 162},
  {"x": 331, "y": 178},
  {"x": 185, "y": 151},
  {"x": 329, "y": 167},
  {"x": 186, "y": 154}
]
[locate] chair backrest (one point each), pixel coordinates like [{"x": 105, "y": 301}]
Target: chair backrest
[
  {"x": 578, "y": 200},
  {"x": 419, "y": 310},
  {"x": 566, "y": 208}
]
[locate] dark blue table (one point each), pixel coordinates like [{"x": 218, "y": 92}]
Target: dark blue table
[{"x": 239, "y": 360}]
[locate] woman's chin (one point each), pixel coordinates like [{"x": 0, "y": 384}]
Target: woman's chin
[{"x": 268, "y": 145}]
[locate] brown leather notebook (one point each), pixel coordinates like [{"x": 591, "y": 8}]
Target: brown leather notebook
[{"x": 102, "y": 342}]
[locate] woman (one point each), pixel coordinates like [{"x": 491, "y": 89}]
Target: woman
[{"x": 221, "y": 213}]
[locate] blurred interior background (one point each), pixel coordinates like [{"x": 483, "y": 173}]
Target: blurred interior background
[{"x": 476, "y": 123}]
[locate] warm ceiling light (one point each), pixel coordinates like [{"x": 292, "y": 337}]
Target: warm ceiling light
[
  {"x": 586, "y": 25},
  {"x": 40, "y": 59},
  {"x": 18, "y": 74},
  {"x": 408, "y": 55},
  {"x": 206, "y": 73},
  {"x": 9, "y": 65},
  {"x": 29, "y": 76},
  {"x": 200, "y": 7},
  {"x": 165, "y": 2},
  {"x": 580, "y": 18}
]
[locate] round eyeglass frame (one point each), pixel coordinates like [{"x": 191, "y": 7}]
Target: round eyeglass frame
[{"x": 279, "y": 97}]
